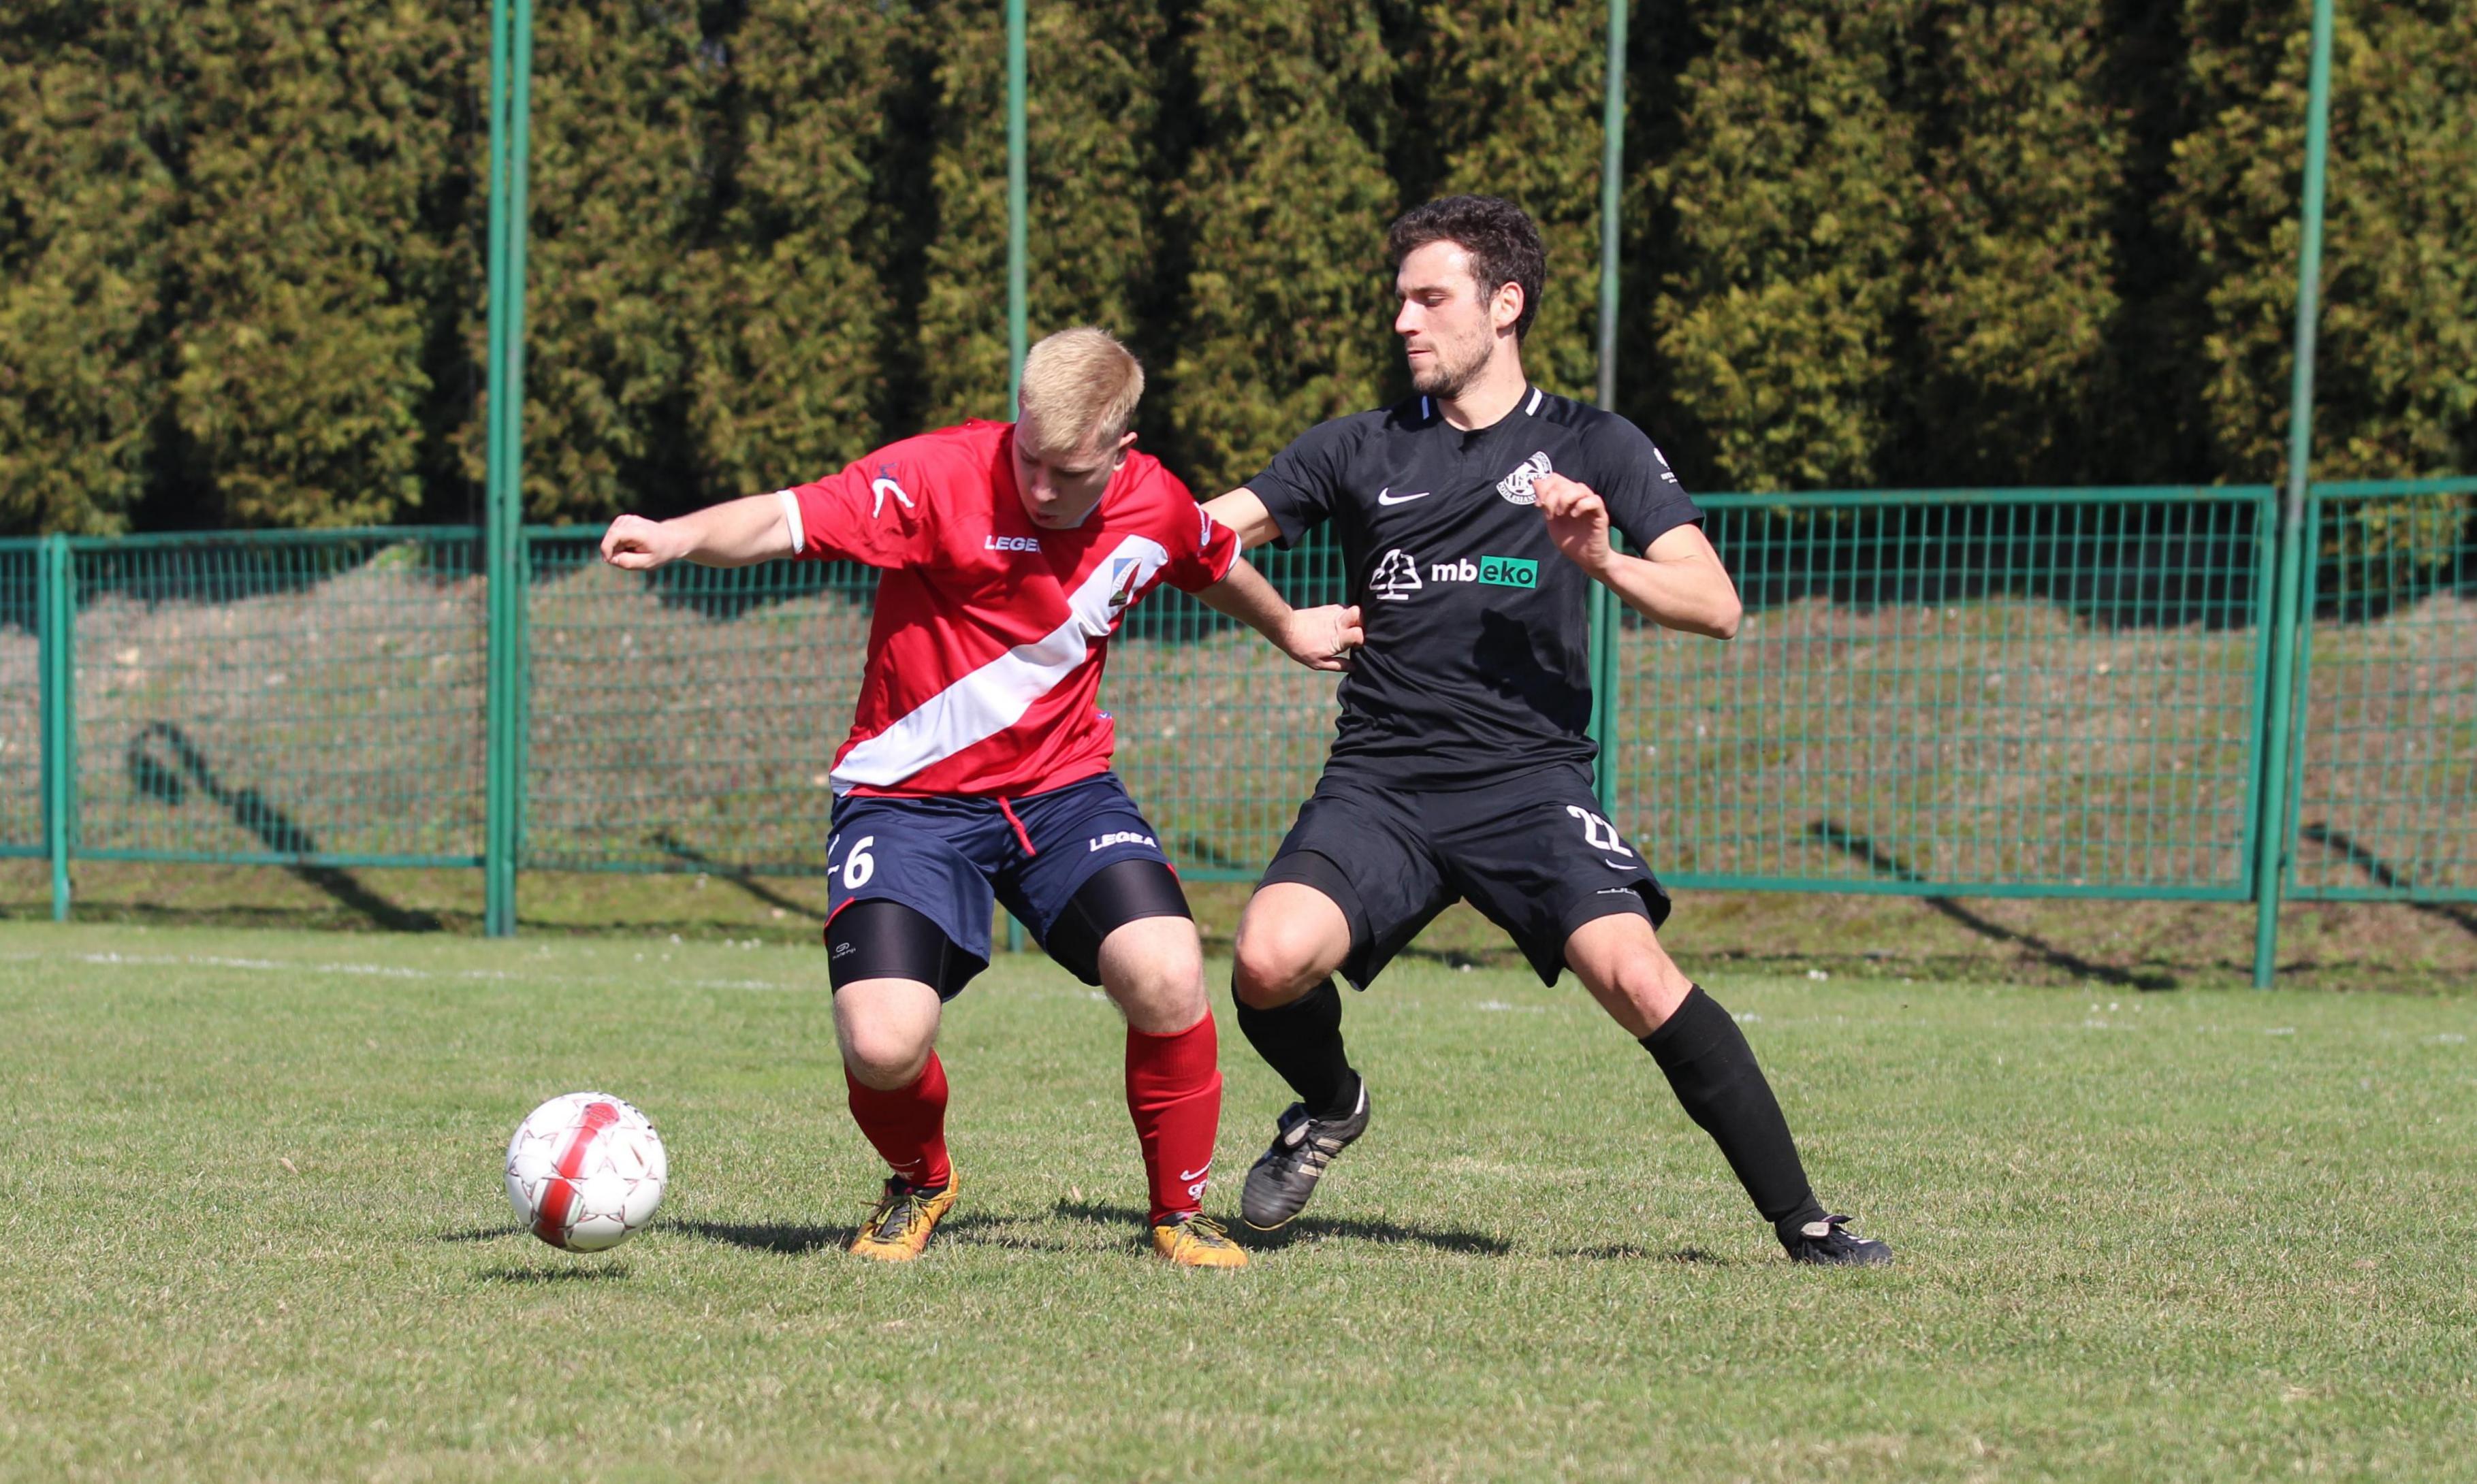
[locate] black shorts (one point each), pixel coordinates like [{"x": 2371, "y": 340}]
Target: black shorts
[{"x": 1530, "y": 852}]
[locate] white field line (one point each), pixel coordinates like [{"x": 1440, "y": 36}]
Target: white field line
[{"x": 358, "y": 970}]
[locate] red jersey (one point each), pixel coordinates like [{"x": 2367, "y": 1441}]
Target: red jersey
[{"x": 986, "y": 648}]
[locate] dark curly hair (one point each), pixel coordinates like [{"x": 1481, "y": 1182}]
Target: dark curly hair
[{"x": 1502, "y": 239}]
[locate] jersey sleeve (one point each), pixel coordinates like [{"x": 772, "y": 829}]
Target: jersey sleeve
[
  {"x": 1200, "y": 550},
  {"x": 1632, "y": 476},
  {"x": 877, "y": 511},
  {"x": 1303, "y": 483}
]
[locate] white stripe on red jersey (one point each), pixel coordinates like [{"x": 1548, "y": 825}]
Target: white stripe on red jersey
[{"x": 986, "y": 649}]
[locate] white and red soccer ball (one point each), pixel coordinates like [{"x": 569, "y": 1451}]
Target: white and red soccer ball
[{"x": 585, "y": 1171}]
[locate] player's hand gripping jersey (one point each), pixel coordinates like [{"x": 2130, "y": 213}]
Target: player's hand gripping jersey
[
  {"x": 1478, "y": 654},
  {"x": 986, "y": 649}
]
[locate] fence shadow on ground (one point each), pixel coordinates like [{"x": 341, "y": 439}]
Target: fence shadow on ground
[
  {"x": 171, "y": 783},
  {"x": 2383, "y": 873},
  {"x": 1840, "y": 837},
  {"x": 672, "y": 845}
]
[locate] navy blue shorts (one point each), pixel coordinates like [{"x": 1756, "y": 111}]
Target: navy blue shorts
[{"x": 953, "y": 859}]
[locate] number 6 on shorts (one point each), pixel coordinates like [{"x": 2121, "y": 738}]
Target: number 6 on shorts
[{"x": 859, "y": 866}]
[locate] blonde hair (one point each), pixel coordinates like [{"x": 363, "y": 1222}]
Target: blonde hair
[{"x": 1081, "y": 386}]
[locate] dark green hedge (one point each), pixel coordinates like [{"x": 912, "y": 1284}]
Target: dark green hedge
[{"x": 1868, "y": 241}]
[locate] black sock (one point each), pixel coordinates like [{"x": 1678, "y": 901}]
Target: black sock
[
  {"x": 1713, "y": 1070},
  {"x": 1302, "y": 1041}
]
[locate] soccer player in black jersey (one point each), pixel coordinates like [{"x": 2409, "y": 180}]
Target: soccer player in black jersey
[{"x": 1474, "y": 518}]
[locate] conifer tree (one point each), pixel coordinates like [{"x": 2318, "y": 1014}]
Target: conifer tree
[
  {"x": 2015, "y": 293},
  {"x": 2396, "y": 362},
  {"x": 1513, "y": 102},
  {"x": 1285, "y": 205},
  {"x": 313, "y": 138},
  {"x": 1091, "y": 120},
  {"x": 789, "y": 370},
  {"x": 86, "y": 204},
  {"x": 624, "y": 173},
  {"x": 1792, "y": 188}
]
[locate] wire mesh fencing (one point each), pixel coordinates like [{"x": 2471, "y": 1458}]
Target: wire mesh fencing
[
  {"x": 1991, "y": 692},
  {"x": 298, "y": 698},
  {"x": 21, "y": 699},
  {"x": 2387, "y": 794},
  {"x": 1941, "y": 692},
  {"x": 683, "y": 720}
]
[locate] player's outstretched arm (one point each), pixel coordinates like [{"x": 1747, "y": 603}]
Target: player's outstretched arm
[
  {"x": 1678, "y": 584},
  {"x": 735, "y": 534},
  {"x": 1319, "y": 638}
]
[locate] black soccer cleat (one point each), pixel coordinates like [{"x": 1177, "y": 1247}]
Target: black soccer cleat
[
  {"x": 1825, "y": 1243},
  {"x": 1279, "y": 1184}
]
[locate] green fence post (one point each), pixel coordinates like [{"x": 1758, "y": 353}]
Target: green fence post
[
  {"x": 1019, "y": 268},
  {"x": 2274, "y": 847},
  {"x": 1017, "y": 172},
  {"x": 1604, "y": 602},
  {"x": 56, "y": 610},
  {"x": 510, "y": 98}
]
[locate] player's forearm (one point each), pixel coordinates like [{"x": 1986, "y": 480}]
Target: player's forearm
[
  {"x": 1690, "y": 595},
  {"x": 735, "y": 534},
  {"x": 1245, "y": 595}
]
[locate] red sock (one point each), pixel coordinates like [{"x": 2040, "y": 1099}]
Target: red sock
[
  {"x": 908, "y": 1126},
  {"x": 1174, "y": 1095}
]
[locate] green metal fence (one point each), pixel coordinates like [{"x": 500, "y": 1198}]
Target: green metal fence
[
  {"x": 299, "y": 697},
  {"x": 1983, "y": 692},
  {"x": 1952, "y": 692},
  {"x": 2387, "y": 766},
  {"x": 21, "y": 699}
]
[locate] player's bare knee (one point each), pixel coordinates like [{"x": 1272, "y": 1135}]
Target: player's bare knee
[
  {"x": 886, "y": 1063},
  {"x": 884, "y": 1046},
  {"x": 1153, "y": 969},
  {"x": 1655, "y": 986},
  {"x": 1275, "y": 966}
]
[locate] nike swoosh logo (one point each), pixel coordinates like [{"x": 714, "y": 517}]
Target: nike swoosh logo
[
  {"x": 1612, "y": 865},
  {"x": 1194, "y": 1174},
  {"x": 1386, "y": 496}
]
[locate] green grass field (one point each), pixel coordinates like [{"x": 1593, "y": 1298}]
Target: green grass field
[{"x": 251, "y": 1227}]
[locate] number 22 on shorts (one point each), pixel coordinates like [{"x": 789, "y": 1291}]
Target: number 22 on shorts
[{"x": 1599, "y": 833}]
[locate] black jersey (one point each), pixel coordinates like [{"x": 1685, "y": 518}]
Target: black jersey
[{"x": 1478, "y": 655}]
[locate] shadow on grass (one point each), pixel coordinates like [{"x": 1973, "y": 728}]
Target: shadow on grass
[
  {"x": 480, "y": 1234},
  {"x": 788, "y": 1239},
  {"x": 1310, "y": 1227},
  {"x": 1694, "y": 1256},
  {"x": 600, "y": 1273},
  {"x": 798, "y": 1239},
  {"x": 1849, "y": 843}
]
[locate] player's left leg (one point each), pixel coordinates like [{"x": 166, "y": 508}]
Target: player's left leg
[
  {"x": 1536, "y": 857},
  {"x": 1713, "y": 1070},
  {"x": 1124, "y": 925}
]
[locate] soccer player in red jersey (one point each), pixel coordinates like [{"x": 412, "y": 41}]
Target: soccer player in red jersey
[{"x": 978, "y": 766}]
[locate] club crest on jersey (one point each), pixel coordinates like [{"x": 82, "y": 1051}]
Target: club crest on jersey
[
  {"x": 1516, "y": 487},
  {"x": 886, "y": 485},
  {"x": 1125, "y": 585}
]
